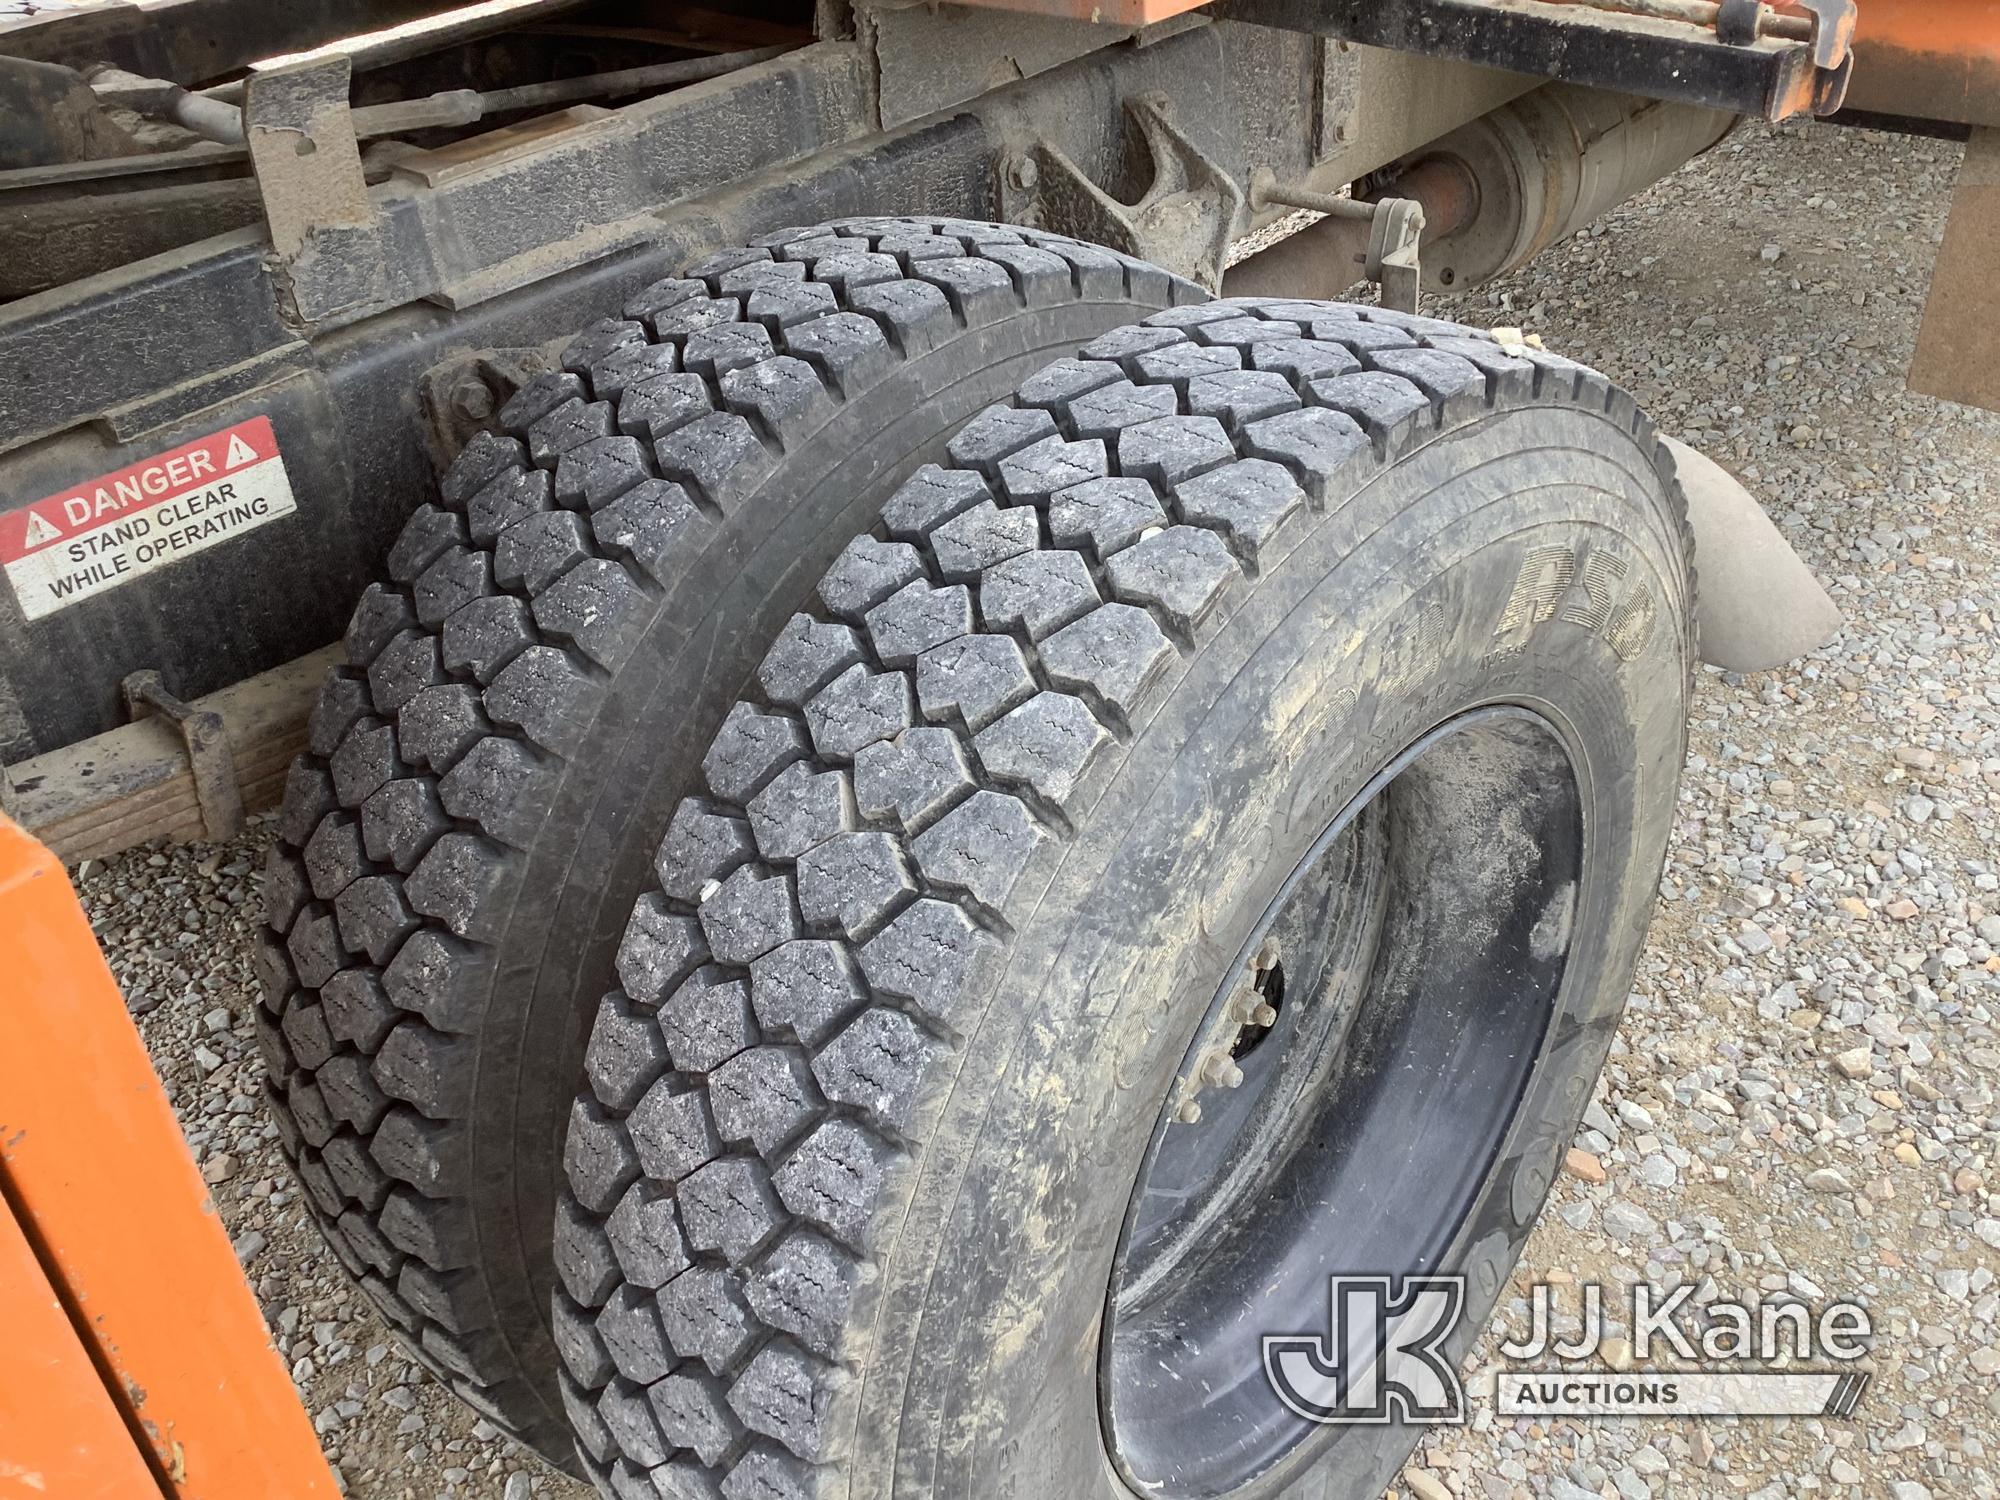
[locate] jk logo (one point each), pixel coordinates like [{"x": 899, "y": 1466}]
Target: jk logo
[{"x": 1382, "y": 1358}]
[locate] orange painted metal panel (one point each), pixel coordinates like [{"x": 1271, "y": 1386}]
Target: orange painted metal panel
[
  {"x": 1950, "y": 28},
  {"x": 96, "y": 1170},
  {"x": 61, "y": 1436},
  {"x": 1929, "y": 59}
]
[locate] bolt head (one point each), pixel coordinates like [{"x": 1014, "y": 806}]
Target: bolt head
[
  {"x": 1189, "y": 1113},
  {"x": 1023, "y": 173},
  {"x": 472, "y": 398}
]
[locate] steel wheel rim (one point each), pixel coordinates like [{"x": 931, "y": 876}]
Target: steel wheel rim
[{"x": 1323, "y": 1159}]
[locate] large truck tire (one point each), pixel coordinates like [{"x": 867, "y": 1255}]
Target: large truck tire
[
  {"x": 1197, "y": 844},
  {"x": 532, "y": 692}
]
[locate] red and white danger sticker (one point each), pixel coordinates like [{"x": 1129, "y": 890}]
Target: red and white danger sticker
[{"x": 107, "y": 531}]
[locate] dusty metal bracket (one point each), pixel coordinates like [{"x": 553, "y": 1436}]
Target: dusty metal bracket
[
  {"x": 1394, "y": 230},
  {"x": 216, "y": 789},
  {"x": 463, "y": 396},
  {"x": 325, "y": 236},
  {"x": 1832, "y": 32},
  {"x": 1184, "y": 221}
]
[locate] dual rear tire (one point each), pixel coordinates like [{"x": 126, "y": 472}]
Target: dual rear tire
[{"x": 1230, "y": 772}]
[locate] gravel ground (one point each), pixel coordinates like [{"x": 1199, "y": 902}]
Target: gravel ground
[{"x": 1801, "y": 1095}]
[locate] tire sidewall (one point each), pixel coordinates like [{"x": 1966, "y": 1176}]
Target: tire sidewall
[{"x": 985, "y": 1380}]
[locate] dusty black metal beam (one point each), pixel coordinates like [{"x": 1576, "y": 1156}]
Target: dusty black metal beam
[
  {"x": 1579, "y": 43},
  {"x": 456, "y": 228},
  {"x": 503, "y": 249}
]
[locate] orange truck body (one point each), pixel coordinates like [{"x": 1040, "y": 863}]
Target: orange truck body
[
  {"x": 1928, "y": 60},
  {"x": 134, "y": 1362}
]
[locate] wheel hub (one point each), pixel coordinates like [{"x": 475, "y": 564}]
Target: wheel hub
[
  {"x": 1241, "y": 1025},
  {"x": 1345, "y": 1093}
]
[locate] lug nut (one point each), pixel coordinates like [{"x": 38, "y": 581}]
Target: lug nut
[{"x": 1221, "y": 1072}]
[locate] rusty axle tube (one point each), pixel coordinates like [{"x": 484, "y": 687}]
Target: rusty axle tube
[
  {"x": 1540, "y": 168},
  {"x": 1493, "y": 193},
  {"x": 1446, "y": 190}
]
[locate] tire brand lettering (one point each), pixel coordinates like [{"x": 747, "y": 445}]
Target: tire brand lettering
[
  {"x": 1415, "y": 648},
  {"x": 1551, "y": 585},
  {"x": 1546, "y": 573},
  {"x": 1601, "y": 572},
  {"x": 1632, "y": 627}
]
